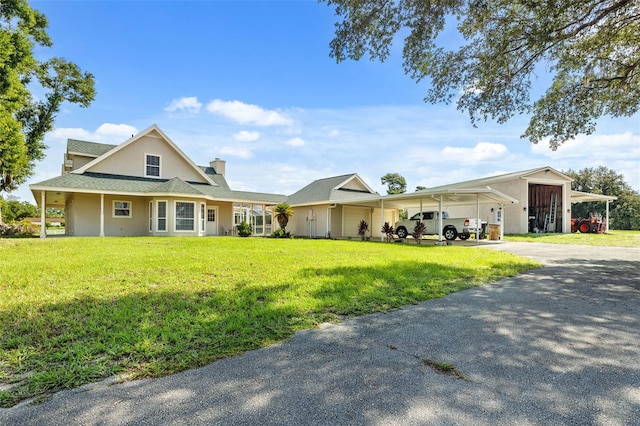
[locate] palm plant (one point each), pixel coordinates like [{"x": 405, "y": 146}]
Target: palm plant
[
  {"x": 388, "y": 231},
  {"x": 283, "y": 212},
  {"x": 418, "y": 231},
  {"x": 363, "y": 227}
]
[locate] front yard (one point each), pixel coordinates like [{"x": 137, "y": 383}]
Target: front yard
[{"x": 77, "y": 310}]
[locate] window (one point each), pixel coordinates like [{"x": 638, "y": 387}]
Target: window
[
  {"x": 203, "y": 222},
  {"x": 122, "y": 209},
  {"x": 211, "y": 215},
  {"x": 162, "y": 217},
  {"x": 185, "y": 216},
  {"x": 152, "y": 165},
  {"x": 150, "y": 216}
]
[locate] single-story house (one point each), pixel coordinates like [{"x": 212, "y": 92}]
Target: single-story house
[{"x": 148, "y": 186}]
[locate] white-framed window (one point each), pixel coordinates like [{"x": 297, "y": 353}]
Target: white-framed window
[
  {"x": 150, "y": 216},
  {"x": 185, "y": 216},
  {"x": 122, "y": 208},
  {"x": 152, "y": 165},
  {"x": 161, "y": 219},
  {"x": 203, "y": 218}
]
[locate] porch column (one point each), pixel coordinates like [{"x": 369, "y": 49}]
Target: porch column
[
  {"x": 43, "y": 215},
  {"x": 264, "y": 220},
  {"x": 102, "y": 215},
  {"x": 606, "y": 226},
  {"x": 381, "y": 219}
]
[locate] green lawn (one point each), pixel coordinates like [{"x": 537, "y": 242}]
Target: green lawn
[
  {"x": 613, "y": 238},
  {"x": 77, "y": 310}
]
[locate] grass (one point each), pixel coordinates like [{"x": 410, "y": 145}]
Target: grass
[
  {"x": 613, "y": 238},
  {"x": 78, "y": 310}
]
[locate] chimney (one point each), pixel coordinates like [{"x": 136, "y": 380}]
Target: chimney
[{"x": 218, "y": 165}]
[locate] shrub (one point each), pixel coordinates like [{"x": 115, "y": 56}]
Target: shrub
[
  {"x": 363, "y": 227},
  {"x": 388, "y": 231},
  {"x": 245, "y": 229},
  {"x": 281, "y": 233},
  {"x": 418, "y": 230}
]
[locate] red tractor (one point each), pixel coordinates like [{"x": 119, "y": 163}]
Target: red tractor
[{"x": 593, "y": 223}]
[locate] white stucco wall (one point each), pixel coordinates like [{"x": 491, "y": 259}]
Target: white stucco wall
[{"x": 130, "y": 161}]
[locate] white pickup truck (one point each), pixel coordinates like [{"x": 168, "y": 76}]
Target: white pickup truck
[{"x": 451, "y": 227}]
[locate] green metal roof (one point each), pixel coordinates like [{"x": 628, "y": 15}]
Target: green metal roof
[
  {"x": 101, "y": 182},
  {"x": 90, "y": 149},
  {"x": 324, "y": 190}
]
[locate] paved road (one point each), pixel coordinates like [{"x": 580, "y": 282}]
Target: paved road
[{"x": 558, "y": 345}]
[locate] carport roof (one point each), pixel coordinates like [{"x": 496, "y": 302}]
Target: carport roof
[
  {"x": 582, "y": 197},
  {"x": 450, "y": 197}
]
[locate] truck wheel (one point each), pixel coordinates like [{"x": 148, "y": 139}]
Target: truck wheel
[
  {"x": 450, "y": 233},
  {"x": 402, "y": 232}
]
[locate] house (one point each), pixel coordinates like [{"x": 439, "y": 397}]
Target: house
[{"x": 148, "y": 186}]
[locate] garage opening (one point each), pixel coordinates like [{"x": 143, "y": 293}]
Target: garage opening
[{"x": 545, "y": 208}]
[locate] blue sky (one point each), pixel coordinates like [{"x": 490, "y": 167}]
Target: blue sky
[{"x": 252, "y": 82}]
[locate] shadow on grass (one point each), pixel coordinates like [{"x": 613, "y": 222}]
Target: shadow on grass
[
  {"x": 157, "y": 332},
  {"x": 555, "y": 345}
]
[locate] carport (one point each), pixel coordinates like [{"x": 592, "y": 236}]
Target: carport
[
  {"x": 583, "y": 197},
  {"x": 442, "y": 197}
]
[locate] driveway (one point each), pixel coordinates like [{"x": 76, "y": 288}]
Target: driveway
[{"x": 557, "y": 345}]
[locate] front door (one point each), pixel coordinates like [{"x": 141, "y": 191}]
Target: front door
[{"x": 212, "y": 220}]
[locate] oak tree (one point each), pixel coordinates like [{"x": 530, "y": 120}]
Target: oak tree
[
  {"x": 24, "y": 120},
  {"x": 589, "y": 48}
]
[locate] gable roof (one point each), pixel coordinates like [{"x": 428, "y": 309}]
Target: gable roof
[
  {"x": 331, "y": 189},
  {"x": 133, "y": 139},
  {"x": 482, "y": 182},
  {"x": 88, "y": 149}
]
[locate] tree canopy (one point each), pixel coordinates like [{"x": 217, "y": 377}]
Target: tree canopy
[
  {"x": 625, "y": 211},
  {"x": 24, "y": 121},
  {"x": 591, "y": 48},
  {"x": 396, "y": 184}
]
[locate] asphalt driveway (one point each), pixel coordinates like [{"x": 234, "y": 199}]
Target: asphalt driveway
[{"x": 557, "y": 345}]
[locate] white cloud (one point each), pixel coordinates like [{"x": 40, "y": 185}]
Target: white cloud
[
  {"x": 246, "y": 136},
  {"x": 106, "y": 133},
  {"x": 248, "y": 114},
  {"x": 295, "y": 142},
  {"x": 334, "y": 134},
  {"x": 233, "y": 151},
  {"x": 187, "y": 104},
  {"x": 602, "y": 146},
  {"x": 483, "y": 151}
]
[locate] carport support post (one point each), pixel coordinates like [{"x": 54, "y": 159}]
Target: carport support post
[
  {"x": 43, "y": 216},
  {"x": 478, "y": 224},
  {"x": 439, "y": 218},
  {"x": 606, "y": 226},
  {"x": 501, "y": 222}
]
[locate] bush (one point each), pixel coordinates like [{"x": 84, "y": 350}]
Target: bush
[
  {"x": 388, "y": 231},
  {"x": 281, "y": 233},
  {"x": 418, "y": 231},
  {"x": 245, "y": 229},
  {"x": 363, "y": 227},
  {"x": 22, "y": 228}
]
